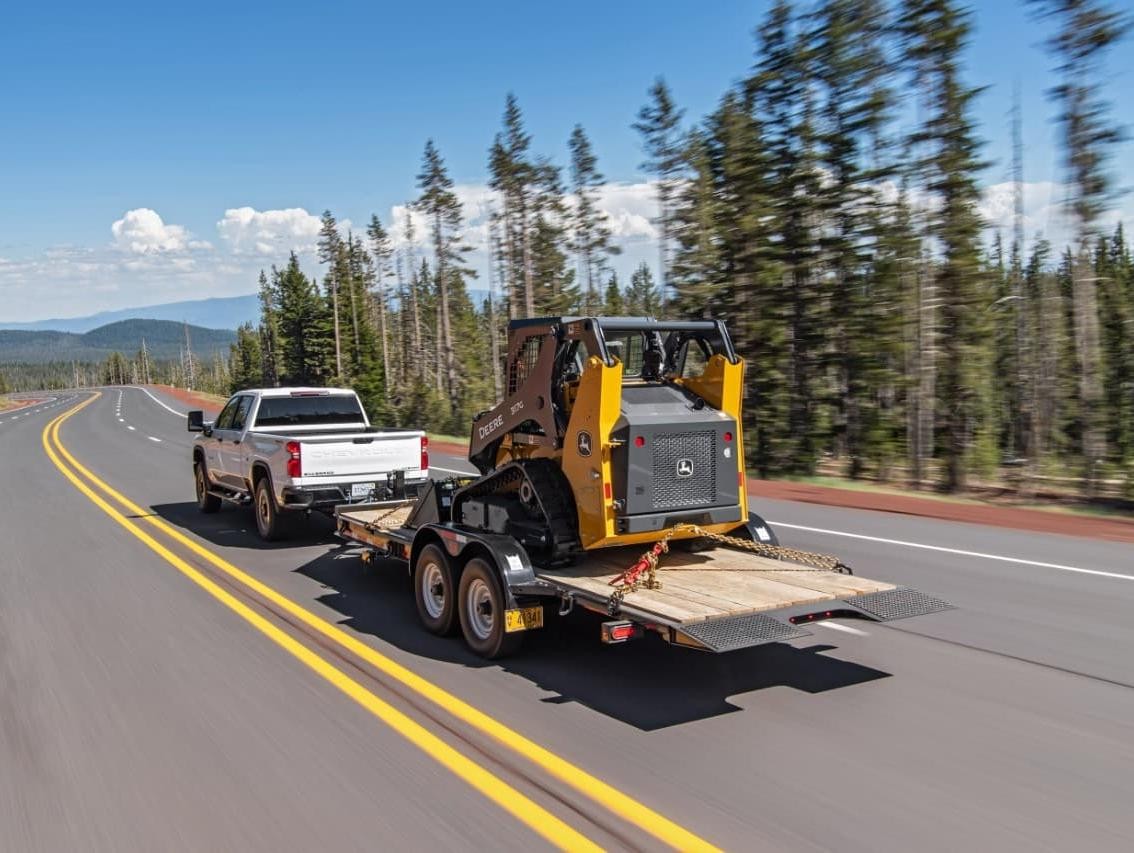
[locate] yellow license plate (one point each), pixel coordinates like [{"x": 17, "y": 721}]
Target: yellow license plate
[{"x": 523, "y": 619}]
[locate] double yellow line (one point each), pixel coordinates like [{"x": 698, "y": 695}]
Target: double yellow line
[{"x": 498, "y": 791}]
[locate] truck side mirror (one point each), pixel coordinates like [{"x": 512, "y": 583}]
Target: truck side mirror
[{"x": 196, "y": 421}]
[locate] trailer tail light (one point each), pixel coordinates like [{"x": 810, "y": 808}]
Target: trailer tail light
[
  {"x": 620, "y": 632},
  {"x": 294, "y": 459},
  {"x": 424, "y": 453}
]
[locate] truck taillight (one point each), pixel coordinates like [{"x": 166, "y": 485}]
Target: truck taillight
[
  {"x": 424, "y": 453},
  {"x": 294, "y": 459}
]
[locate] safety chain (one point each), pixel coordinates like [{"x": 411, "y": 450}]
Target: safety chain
[{"x": 643, "y": 573}]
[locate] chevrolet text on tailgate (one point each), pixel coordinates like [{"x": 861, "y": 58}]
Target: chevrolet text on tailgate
[{"x": 301, "y": 449}]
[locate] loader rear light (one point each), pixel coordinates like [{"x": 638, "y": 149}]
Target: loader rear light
[
  {"x": 639, "y": 441},
  {"x": 606, "y": 491},
  {"x": 424, "y": 453},
  {"x": 294, "y": 459},
  {"x": 728, "y": 437}
]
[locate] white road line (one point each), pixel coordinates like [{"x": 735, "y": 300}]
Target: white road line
[
  {"x": 151, "y": 438},
  {"x": 846, "y": 629},
  {"x": 146, "y": 391},
  {"x": 452, "y": 470},
  {"x": 957, "y": 551},
  {"x": 129, "y": 427}
]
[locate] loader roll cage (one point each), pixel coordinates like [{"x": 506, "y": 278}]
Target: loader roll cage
[{"x": 548, "y": 353}]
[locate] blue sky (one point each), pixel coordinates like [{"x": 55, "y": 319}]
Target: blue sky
[{"x": 192, "y": 110}]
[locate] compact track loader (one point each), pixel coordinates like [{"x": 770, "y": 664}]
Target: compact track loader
[{"x": 613, "y": 434}]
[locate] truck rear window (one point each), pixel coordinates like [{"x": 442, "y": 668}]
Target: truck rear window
[{"x": 308, "y": 411}]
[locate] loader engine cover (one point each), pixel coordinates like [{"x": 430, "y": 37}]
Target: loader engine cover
[{"x": 673, "y": 456}]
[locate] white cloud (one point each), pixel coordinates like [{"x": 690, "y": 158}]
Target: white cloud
[
  {"x": 270, "y": 233},
  {"x": 142, "y": 232}
]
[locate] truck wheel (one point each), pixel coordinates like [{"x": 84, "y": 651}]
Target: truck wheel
[
  {"x": 435, "y": 591},
  {"x": 205, "y": 501},
  {"x": 482, "y": 612},
  {"x": 268, "y": 522}
]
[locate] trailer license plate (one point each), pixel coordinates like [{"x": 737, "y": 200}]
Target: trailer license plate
[
  {"x": 523, "y": 619},
  {"x": 361, "y": 490}
]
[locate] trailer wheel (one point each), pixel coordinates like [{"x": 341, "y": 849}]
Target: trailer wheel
[
  {"x": 206, "y": 502},
  {"x": 268, "y": 522},
  {"x": 435, "y": 591},
  {"x": 482, "y": 612}
]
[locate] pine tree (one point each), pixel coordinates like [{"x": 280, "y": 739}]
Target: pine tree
[
  {"x": 659, "y": 124},
  {"x": 269, "y": 333},
  {"x": 642, "y": 297},
  {"x": 936, "y": 33},
  {"x": 382, "y": 250},
  {"x": 590, "y": 229},
  {"x": 440, "y": 206},
  {"x": 245, "y": 360},
  {"x": 307, "y": 341},
  {"x": 330, "y": 252},
  {"x": 1087, "y": 29}
]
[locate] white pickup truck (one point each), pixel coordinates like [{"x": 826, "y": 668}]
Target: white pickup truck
[{"x": 301, "y": 449}]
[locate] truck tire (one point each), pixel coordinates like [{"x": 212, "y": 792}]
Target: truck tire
[
  {"x": 268, "y": 522},
  {"x": 206, "y": 502},
  {"x": 435, "y": 591},
  {"x": 482, "y": 608}
]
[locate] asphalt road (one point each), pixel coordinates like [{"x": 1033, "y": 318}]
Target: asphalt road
[{"x": 139, "y": 712}]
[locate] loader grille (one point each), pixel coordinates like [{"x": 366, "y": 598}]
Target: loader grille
[{"x": 685, "y": 470}]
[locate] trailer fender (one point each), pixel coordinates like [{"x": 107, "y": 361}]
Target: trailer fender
[{"x": 517, "y": 575}]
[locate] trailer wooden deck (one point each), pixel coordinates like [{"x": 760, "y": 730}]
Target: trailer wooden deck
[{"x": 715, "y": 584}]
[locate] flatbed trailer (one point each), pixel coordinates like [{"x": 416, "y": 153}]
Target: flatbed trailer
[{"x": 719, "y": 599}]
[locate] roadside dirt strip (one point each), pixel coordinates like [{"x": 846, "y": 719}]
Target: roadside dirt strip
[{"x": 312, "y": 640}]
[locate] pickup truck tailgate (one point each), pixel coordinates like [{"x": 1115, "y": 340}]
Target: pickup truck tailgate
[{"x": 359, "y": 456}]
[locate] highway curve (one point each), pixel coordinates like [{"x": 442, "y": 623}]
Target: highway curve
[{"x": 140, "y": 708}]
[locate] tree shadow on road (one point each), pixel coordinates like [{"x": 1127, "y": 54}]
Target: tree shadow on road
[{"x": 647, "y": 684}]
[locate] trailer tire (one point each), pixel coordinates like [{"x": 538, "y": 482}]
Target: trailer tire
[
  {"x": 206, "y": 502},
  {"x": 268, "y": 522},
  {"x": 482, "y": 608},
  {"x": 435, "y": 591}
]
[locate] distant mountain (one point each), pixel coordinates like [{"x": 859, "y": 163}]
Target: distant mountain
[
  {"x": 164, "y": 340},
  {"x": 219, "y": 313}
]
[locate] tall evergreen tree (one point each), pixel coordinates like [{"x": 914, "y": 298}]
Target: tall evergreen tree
[
  {"x": 1086, "y": 30},
  {"x": 659, "y": 124},
  {"x": 442, "y": 210},
  {"x": 936, "y": 33},
  {"x": 590, "y": 229}
]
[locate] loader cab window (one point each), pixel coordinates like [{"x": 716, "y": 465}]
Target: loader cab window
[
  {"x": 693, "y": 358},
  {"x": 629, "y": 348}
]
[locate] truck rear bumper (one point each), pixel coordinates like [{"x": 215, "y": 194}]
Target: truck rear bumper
[
  {"x": 739, "y": 632},
  {"x": 326, "y": 496}
]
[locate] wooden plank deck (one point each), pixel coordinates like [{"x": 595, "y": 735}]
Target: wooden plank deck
[
  {"x": 384, "y": 518},
  {"x": 712, "y": 584}
]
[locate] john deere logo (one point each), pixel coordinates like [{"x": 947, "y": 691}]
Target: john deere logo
[
  {"x": 684, "y": 467},
  {"x": 584, "y": 443}
]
